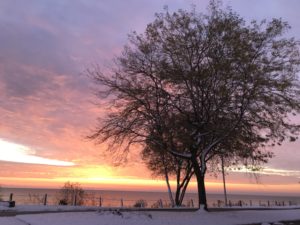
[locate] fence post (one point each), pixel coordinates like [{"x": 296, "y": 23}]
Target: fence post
[
  {"x": 11, "y": 197},
  {"x": 74, "y": 202},
  {"x": 45, "y": 199},
  {"x": 192, "y": 203},
  {"x": 75, "y": 199},
  {"x": 100, "y": 201},
  {"x": 122, "y": 202},
  {"x": 73, "y": 196},
  {"x": 160, "y": 203}
]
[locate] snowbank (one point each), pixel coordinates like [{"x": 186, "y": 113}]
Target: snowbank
[{"x": 153, "y": 218}]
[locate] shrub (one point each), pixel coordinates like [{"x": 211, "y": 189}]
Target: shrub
[
  {"x": 141, "y": 203},
  {"x": 69, "y": 192}
]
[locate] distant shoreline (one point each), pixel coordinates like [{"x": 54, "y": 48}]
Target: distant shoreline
[{"x": 162, "y": 192}]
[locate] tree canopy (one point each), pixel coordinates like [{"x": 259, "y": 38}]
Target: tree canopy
[{"x": 200, "y": 85}]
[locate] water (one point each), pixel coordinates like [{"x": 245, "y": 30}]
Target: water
[{"x": 129, "y": 198}]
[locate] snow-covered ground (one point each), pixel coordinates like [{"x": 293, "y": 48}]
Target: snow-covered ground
[
  {"x": 155, "y": 218},
  {"x": 47, "y": 208},
  {"x": 63, "y": 208}
]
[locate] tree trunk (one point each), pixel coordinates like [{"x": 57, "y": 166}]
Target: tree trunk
[
  {"x": 183, "y": 192},
  {"x": 170, "y": 192},
  {"x": 200, "y": 185},
  {"x": 224, "y": 182},
  {"x": 177, "y": 199},
  {"x": 178, "y": 188},
  {"x": 169, "y": 188},
  {"x": 185, "y": 186},
  {"x": 202, "y": 194}
]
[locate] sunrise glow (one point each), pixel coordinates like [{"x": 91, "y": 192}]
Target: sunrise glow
[{"x": 47, "y": 104}]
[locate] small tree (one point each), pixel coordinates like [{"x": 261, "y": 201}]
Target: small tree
[{"x": 71, "y": 193}]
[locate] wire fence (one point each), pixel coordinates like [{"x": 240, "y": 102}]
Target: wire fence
[
  {"x": 91, "y": 200},
  {"x": 260, "y": 203},
  {"x": 100, "y": 201}
]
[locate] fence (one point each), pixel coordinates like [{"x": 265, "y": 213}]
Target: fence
[
  {"x": 91, "y": 200},
  {"x": 100, "y": 201},
  {"x": 260, "y": 203}
]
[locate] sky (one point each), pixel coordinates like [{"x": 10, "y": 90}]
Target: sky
[{"x": 47, "y": 103}]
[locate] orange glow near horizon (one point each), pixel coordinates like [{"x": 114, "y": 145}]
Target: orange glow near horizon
[
  {"x": 31, "y": 171},
  {"x": 136, "y": 184},
  {"x": 26, "y": 170}
]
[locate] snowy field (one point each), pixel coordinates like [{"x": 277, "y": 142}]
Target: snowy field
[{"x": 155, "y": 218}]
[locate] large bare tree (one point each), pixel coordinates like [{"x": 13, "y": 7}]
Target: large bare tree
[{"x": 199, "y": 85}]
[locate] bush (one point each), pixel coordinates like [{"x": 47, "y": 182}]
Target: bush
[
  {"x": 69, "y": 193},
  {"x": 157, "y": 204},
  {"x": 35, "y": 199},
  {"x": 63, "y": 202},
  {"x": 141, "y": 203}
]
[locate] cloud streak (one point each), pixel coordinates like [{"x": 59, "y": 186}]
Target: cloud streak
[
  {"x": 11, "y": 152},
  {"x": 270, "y": 171}
]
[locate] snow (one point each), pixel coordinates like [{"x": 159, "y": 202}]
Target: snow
[
  {"x": 261, "y": 207},
  {"x": 10, "y": 221},
  {"x": 3, "y": 208},
  {"x": 52, "y": 208},
  {"x": 115, "y": 217}
]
